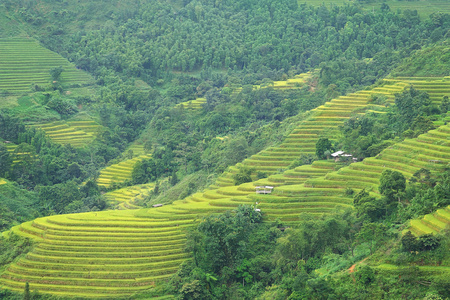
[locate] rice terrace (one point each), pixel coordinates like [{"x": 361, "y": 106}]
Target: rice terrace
[{"x": 224, "y": 149}]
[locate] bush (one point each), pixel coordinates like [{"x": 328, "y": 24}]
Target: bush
[
  {"x": 64, "y": 107},
  {"x": 243, "y": 176},
  {"x": 425, "y": 242}
]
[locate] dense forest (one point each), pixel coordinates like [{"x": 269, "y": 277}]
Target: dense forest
[{"x": 147, "y": 59}]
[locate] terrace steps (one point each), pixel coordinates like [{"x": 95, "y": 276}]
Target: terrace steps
[
  {"x": 118, "y": 173},
  {"x": 75, "y": 133},
  {"x": 124, "y": 198},
  {"x": 147, "y": 231},
  {"x": 24, "y": 62},
  {"x": 69, "y": 257},
  {"x": 431, "y": 223}
]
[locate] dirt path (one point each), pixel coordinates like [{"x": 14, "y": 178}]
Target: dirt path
[{"x": 351, "y": 270}]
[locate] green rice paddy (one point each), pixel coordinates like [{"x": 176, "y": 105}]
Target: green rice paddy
[
  {"x": 126, "y": 198},
  {"x": 431, "y": 223},
  {"x": 113, "y": 254},
  {"x": 119, "y": 172},
  {"x": 77, "y": 133},
  {"x": 193, "y": 104},
  {"x": 24, "y": 63}
]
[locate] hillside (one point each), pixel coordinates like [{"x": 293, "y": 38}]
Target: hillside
[
  {"x": 110, "y": 246},
  {"x": 224, "y": 149}
]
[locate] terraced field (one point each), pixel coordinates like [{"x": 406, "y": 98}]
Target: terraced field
[
  {"x": 16, "y": 156},
  {"x": 23, "y": 63},
  {"x": 104, "y": 254},
  {"x": 10, "y": 147},
  {"x": 431, "y": 223},
  {"x": 125, "y": 198},
  {"x": 423, "y": 7},
  {"x": 76, "y": 133},
  {"x": 193, "y": 104},
  {"x": 290, "y": 83},
  {"x": 324, "y": 121},
  {"x": 118, "y": 173},
  {"x": 437, "y": 88},
  {"x": 116, "y": 253},
  {"x": 317, "y": 188}
]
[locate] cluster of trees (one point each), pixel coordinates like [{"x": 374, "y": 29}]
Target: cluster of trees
[
  {"x": 237, "y": 256},
  {"x": 411, "y": 116},
  {"x": 161, "y": 164},
  {"x": 403, "y": 200}
]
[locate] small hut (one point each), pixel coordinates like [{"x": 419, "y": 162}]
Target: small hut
[
  {"x": 264, "y": 189},
  {"x": 157, "y": 205},
  {"x": 337, "y": 155}
]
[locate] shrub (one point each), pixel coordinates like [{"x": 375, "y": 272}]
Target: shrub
[{"x": 243, "y": 176}]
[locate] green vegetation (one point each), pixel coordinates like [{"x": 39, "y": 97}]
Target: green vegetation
[
  {"x": 424, "y": 63},
  {"x": 308, "y": 191},
  {"x": 198, "y": 163},
  {"x": 122, "y": 171}
]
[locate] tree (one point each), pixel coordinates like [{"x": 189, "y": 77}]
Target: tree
[
  {"x": 372, "y": 233},
  {"x": 243, "y": 176},
  {"x": 409, "y": 242},
  {"x": 26, "y": 293},
  {"x": 236, "y": 151},
  {"x": 138, "y": 175},
  {"x": 322, "y": 145},
  {"x": 445, "y": 105},
  {"x": 58, "y": 196},
  {"x": 368, "y": 207},
  {"x": 365, "y": 275},
  {"x": 55, "y": 73},
  {"x": 193, "y": 290},
  {"x": 174, "y": 178},
  {"x": 411, "y": 103},
  {"x": 221, "y": 240},
  {"x": 5, "y": 160},
  {"x": 392, "y": 184}
]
